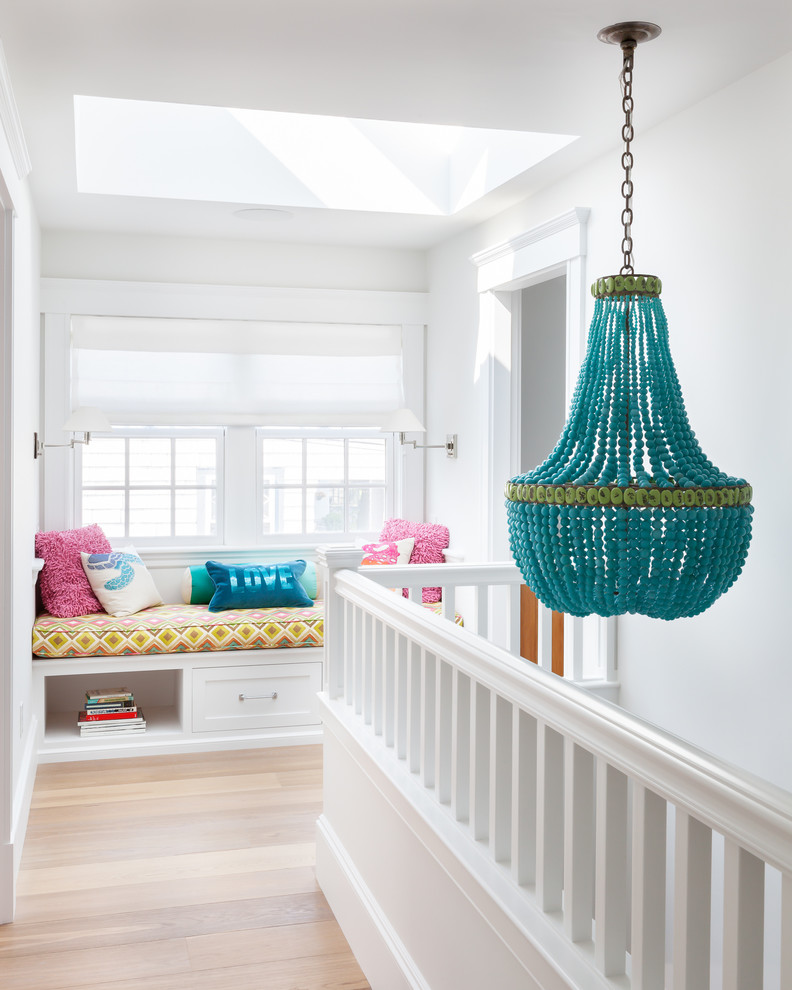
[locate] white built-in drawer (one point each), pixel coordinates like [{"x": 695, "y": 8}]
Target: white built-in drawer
[{"x": 269, "y": 696}]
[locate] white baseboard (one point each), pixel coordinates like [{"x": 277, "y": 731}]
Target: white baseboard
[
  {"x": 11, "y": 851},
  {"x": 23, "y": 793},
  {"x": 7, "y": 883},
  {"x": 376, "y": 946}
]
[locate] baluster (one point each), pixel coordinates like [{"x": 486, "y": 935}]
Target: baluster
[
  {"x": 607, "y": 646},
  {"x": 482, "y": 610},
  {"x": 786, "y": 930},
  {"x": 460, "y": 754},
  {"x": 366, "y": 669},
  {"x": 573, "y": 645},
  {"x": 692, "y": 899},
  {"x": 349, "y": 652},
  {"x": 378, "y": 673},
  {"x": 513, "y": 638},
  {"x": 500, "y": 778},
  {"x": 443, "y": 737},
  {"x": 524, "y": 815},
  {"x": 648, "y": 890},
  {"x": 479, "y": 760},
  {"x": 429, "y": 696},
  {"x": 449, "y": 603},
  {"x": 578, "y": 842},
  {"x": 529, "y": 624},
  {"x": 414, "y": 696},
  {"x": 357, "y": 655},
  {"x": 743, "y": 918},
  {"x": 545, "y": 638},
  {"x": 610, "y": 907},
  {"x": 550, "y": 819},
  {"x": 402, "y": 697},
  {"x": 388, "y": 680}
]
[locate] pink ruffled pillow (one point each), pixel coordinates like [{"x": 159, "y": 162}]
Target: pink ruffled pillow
[
  {"x": 430, "y": 541},
  {"x": 65, "y": 590}
]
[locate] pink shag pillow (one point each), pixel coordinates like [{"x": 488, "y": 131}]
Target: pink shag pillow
[
  {"x": 65, "y": 591},
  {"x": 430, "y": 541}
]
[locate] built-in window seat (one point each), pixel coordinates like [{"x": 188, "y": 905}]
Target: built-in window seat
[{"x": 204, "y": 680}]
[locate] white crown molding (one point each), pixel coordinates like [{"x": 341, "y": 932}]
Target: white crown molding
[
  {"x": 576, "y": 217},
  {"x": 12, "y": 125},
  {"x": 511, "y": 264}
]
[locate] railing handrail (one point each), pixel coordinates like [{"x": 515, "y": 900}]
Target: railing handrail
[
  {"x": 741, "y": 806},
  {"x": 448, "y": 575}
]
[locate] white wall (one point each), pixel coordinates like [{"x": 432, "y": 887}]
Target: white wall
[
  {"x": 22, "y": 408},
  {"x": 140, "y": 258},
  {"x": 720, "y": 243}
]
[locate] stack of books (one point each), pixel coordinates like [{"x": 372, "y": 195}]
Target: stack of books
[{"x": 110, "y": 710}]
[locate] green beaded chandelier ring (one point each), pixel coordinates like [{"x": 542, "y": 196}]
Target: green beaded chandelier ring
[
  {"x": 632, "y": 495},
  {"x": 627, "y": 514}
]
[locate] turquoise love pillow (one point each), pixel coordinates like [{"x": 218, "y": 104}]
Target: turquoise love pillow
[
  {"x": 197, "y": 587},
  {"x": 257, "y": 585}
]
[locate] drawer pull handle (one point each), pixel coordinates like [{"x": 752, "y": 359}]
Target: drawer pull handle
[{"x": 258, "y": 697}]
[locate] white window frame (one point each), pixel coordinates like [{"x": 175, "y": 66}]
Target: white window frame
[
  {"x": 60, "y": 298},
  {"x": 308, "y": 434},
  {"x": 162, "y": 433}
]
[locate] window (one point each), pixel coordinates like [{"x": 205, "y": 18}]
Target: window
[
  {"x": 196, "y": 379},
  {"x": 323, "y": 482},
  {"x": 153, "y": 486}
]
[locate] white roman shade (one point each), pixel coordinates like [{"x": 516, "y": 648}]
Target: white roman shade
[{"x": 235, "y": 372}]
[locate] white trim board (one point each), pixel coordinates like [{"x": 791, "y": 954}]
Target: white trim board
[
  {"x": 231, "y": 302},
  {"x": 12, "y": 125},
  {"x": 378, "y": 949},
  {"x": 547, "y": 250},
  {"x": 507, "y": 265},
  {"x": 10, "y": 812}
]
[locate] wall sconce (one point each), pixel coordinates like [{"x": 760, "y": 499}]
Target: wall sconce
[
  {"x": 85, "y": 420},
  {"x": 405, "y": 421}
]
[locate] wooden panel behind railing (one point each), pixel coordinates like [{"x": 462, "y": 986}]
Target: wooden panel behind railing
[{"x": 529, "y": 631}]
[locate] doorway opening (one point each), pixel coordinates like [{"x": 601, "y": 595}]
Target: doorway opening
[
  {"x": 540, "y": 412},
  {"x": 532, "y": 272}
]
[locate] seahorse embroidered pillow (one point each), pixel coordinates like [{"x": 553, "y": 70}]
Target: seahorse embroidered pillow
[{"x": 120, "y": 581}]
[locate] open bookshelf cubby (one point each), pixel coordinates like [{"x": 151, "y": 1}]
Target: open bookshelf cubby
[{"x": 179, "y": 694}]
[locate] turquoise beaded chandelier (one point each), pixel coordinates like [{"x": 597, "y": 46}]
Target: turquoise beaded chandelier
[{"x": 627, "y": 514}]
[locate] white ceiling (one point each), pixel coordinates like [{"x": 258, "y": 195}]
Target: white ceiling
[{"x": 532, "y": 65}]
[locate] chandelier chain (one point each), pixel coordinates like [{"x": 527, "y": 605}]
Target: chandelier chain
[{"x": 628, "y": 50}]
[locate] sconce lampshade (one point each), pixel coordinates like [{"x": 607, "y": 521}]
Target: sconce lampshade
[
  {"x": 87, "y": 419},
  {"x": 402, "y": 421}
]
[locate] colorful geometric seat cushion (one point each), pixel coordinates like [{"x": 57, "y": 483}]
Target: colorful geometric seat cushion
[{"x": 177, "y": 629}]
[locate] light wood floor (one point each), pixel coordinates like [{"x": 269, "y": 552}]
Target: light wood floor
[{"x": 189, "y": 872}]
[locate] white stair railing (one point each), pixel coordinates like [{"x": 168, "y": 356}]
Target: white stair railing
[{"x": 571, "y": 798}]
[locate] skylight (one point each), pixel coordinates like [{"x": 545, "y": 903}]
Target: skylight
[{"x": 177, "y": 151}]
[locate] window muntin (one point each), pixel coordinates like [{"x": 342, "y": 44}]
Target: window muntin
[
  {"x": 153, "y": 486},
  {"x": 328, "y": 483}
]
